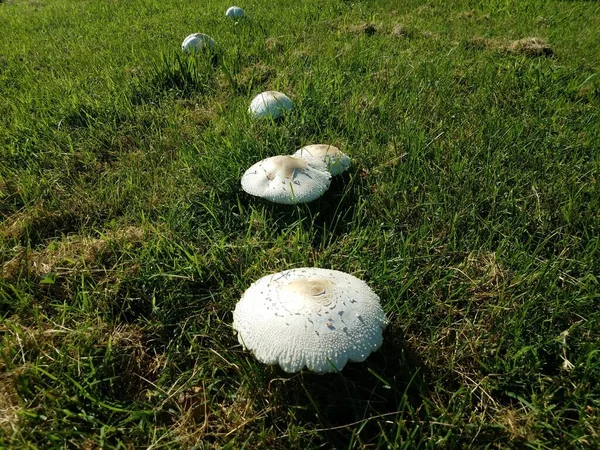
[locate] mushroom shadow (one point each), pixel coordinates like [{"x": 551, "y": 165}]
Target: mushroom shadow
[
  {"x": 337, "y": 211},
  {"x": 330, "y": 216},
  {"x": 363, "y": 400}
]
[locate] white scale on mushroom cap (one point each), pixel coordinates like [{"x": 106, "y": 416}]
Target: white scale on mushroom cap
[{"x": 310, "y": 317}]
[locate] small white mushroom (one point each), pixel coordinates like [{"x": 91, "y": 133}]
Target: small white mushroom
[
  {"x": 197, "y": 42},
  {"x": 286, "y": 180},
  {"x": 234, "y": 12},
  {"x": 324, "y": 157},
  {"x": 270, "y": 103},
  {"x": 310, "y": 317}
]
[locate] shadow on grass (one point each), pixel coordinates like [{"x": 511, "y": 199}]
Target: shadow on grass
[
  {"x": 364, "y": 404},
  {"x": 176, "y": 74}
]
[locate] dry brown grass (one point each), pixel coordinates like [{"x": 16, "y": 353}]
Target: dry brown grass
[
  {"x": 15, "y": 226},
  {"x": 472, "y": 15},
  {"x": 425, "y": 9},
  {"x": 138, "y": 369},
  {"x": 466, "y": 328},
  {"x": 401, "y": 31},
  {"x": 257, "y": 74},
  {"x": 72, "y": 255},
  {"x": 274, "y": 44},
  {"x": 199, "y": 418},
  {"x": 530, "y": 47},
  {"x": 367, "y": 28},
  {"x": 9, "y": 404}
]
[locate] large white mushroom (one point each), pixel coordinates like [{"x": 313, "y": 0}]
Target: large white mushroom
[
  {"x": 234, "y": 12},
  {"x": 197, "y": 42},
  {"x": 314, "y": 318},
  {"x": 324, "y": 157},
  {"x": 285, "y": 179},
  {"x": 270, "y": 103}
]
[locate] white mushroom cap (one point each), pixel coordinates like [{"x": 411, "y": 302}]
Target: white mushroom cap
[
  {"x": 270, "y": 103},
  {"x": 285, "y": 179},
  {"x": 197, "y": 42},
  {"x": 234, "y": 12},
  {"x": 324, "y": 157},
  {"x": 310, "y": 317}
]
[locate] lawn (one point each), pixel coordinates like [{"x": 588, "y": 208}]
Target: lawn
[{"x": 472, "y": 209}]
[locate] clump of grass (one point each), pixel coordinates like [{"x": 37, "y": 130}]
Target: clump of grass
[
  {"x": 367, "y": 28},
  {"x": 402, "y": 31},
  {"x": 69, "y": 256},
  {"x": 532, "y": 46},
  {"x": 9, "y": 405},
  {"x": 179, "y": 75}
]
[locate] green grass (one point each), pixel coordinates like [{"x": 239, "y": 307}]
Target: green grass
[{"x": 472, "y": 208}]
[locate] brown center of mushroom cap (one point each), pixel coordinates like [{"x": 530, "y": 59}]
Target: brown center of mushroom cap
[
  {"x": 284, "y": 166},
  {"x": 309, "y": 289}
]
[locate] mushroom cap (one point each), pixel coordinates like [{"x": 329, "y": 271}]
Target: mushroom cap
[
  {"x": 270, "y": 103},
  {"x": 197, "y": 42},
  {"x": 324, "y": 157},
  {"x": 234, "y": 12},
  {"x": 286, "y": 180},
  {"x": 310, "y": 317}
]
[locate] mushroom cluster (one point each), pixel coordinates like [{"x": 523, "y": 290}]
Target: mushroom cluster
[
  {"x": 300, "y": 178},
  {"x": 309, "y": 317}
]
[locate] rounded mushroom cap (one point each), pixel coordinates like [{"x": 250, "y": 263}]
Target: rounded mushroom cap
[
  {"x": 309, "y": 317},
  {"x": 324, "y": 157},
  {"x": 270, "y": 103},
  {"x": 234, "y": 12},
  {"x": 286, "y": 180},
  {"x": 197, "y": 42}
]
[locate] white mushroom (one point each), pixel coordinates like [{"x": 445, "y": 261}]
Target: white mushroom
[
  {"x": 270, "y": 103},
  {"x": 235, "y": 12},
  {"x": 324, "y": 157},
  {"x": 285, "y": 179},
  {"x": 197, "y": 42},
  {"x": 309, "y": 317}
]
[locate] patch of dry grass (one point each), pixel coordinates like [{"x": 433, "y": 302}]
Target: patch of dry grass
[
  {"x": 9, "y": 404},
  {"x": 367, "y": 28},
  {"x": 70, "y": 256},
  {"x": 531, "y": 47}
]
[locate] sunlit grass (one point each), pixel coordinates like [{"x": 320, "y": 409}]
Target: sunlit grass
[{"x": 471, "y": 208}]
